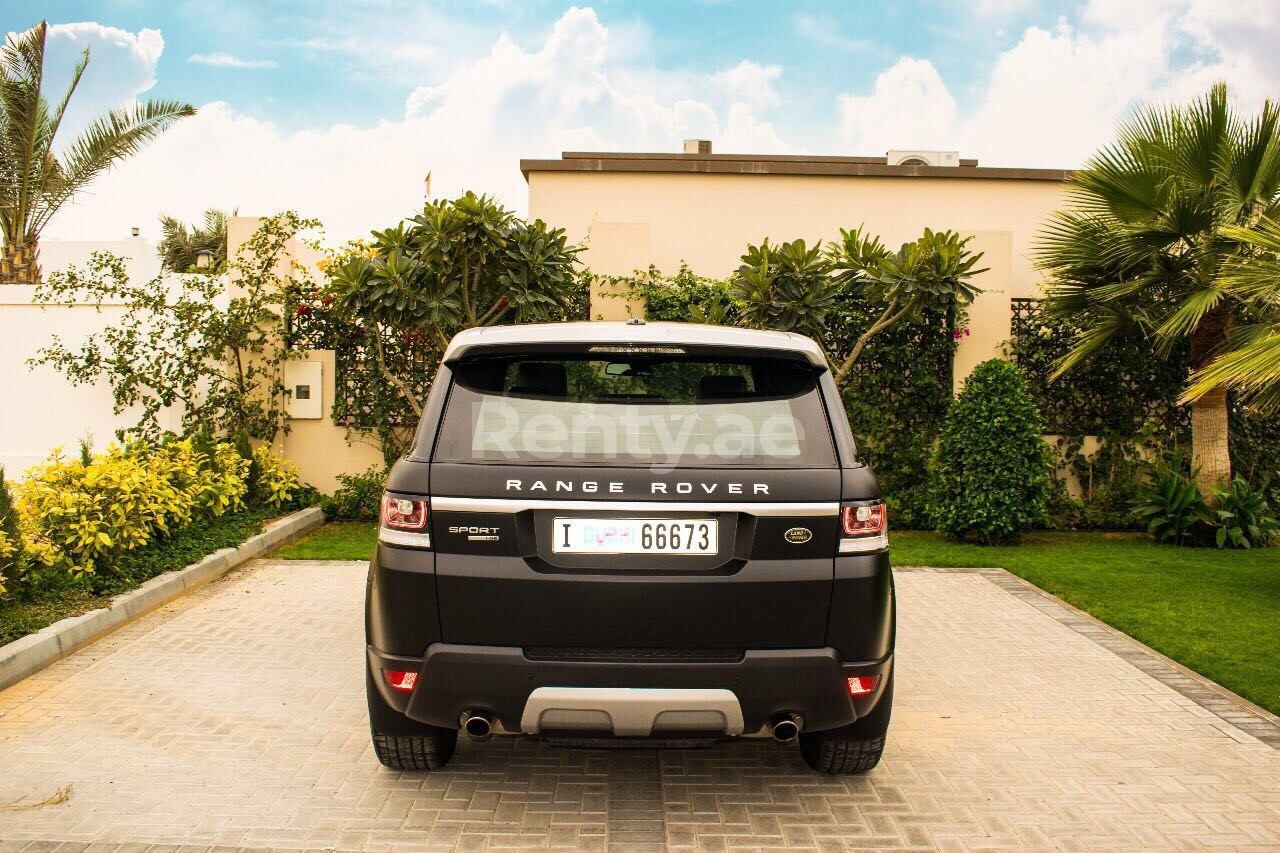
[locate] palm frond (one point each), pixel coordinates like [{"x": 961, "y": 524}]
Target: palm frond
[
  {"x": 55, "y": 119},
  {"x": 1187, "y": 314},
  {"x": 25, "y": 141},
  {"x": 1208, "y": 127},
  {"x": 1255, "y": 274},
  {"x": 1253, "y": 370},
  {"x": 1252, "y": 171},
  {"x": 1147, "y": 241},
  {"x": 1089, "y": 343},
  {"x": 107, "y": 140},
  {"x": 34, "y": 183}
]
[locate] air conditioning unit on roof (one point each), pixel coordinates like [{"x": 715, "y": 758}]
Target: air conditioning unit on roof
[{"x": 922, "y": 158}]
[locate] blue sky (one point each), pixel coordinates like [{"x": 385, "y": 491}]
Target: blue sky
[{"x": 339, "y": 108}]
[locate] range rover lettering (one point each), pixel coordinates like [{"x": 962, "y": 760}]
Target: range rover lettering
[{"x": 643, "y": 533}]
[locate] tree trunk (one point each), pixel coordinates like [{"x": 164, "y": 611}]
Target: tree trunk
[
  {"x": 1210, "y": 457},
  {"x": 18, "y": 263}
]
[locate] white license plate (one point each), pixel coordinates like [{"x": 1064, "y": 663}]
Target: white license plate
[{"x": 635, "y": 536}]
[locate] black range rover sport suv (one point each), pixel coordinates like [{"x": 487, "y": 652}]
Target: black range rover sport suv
[{"x": 631, "y": 531}]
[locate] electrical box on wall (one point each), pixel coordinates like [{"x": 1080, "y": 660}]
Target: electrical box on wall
[{"x": 303, "y": 389}]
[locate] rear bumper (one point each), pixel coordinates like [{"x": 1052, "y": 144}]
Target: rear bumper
[{"x": 499, "y": 681}]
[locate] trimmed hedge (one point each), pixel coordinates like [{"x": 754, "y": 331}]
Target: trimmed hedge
[{"x": 991, "y": 479}]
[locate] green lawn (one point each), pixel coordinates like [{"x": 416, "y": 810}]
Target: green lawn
[
  {"x": 1217, "y": 612},
  {"x": 337, "y": 540}
]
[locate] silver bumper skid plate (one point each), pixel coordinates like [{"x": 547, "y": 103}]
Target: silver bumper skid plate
[{"x": 631, "y": 711}]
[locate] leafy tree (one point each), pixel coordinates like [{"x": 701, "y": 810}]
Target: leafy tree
[
  {"x": 179, "y": 245},
  {"x": 183, "y": 342},
  {"x": 459, "y": 264},
  {"x": 1148, "y": 240},
  {"x": 992, "y": 467},
  {"x": 794, "y": 288},
  {"x": 35, "y": 181},
  {"x": 934, "y": 272},
  {"x": 785, "y": 287}
]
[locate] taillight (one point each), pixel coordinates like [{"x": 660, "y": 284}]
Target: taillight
[
  {"x": 404, "y": 513},
  {"x": 863, "y": 685},
  {"x": 400, "y": 680},
  {"x": 864, "y": 527},
  {"x": 404, "y": 521}
]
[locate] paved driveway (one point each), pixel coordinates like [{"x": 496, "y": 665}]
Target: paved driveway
[{"x": 236, "y": 717}]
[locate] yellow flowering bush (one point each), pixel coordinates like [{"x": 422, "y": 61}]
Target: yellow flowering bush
[
  {"x": 278, "y": 479},
  {"x": 70, "y": 518},
  {"x": 83, "y": 516}
]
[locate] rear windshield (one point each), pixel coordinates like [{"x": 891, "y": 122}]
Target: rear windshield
[{"x": 647, "y": 410}]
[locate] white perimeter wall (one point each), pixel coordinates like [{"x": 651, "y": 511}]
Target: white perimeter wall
[{"x": 40, "y": 409}]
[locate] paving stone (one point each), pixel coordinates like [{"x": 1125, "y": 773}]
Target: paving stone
[{"x": 234, "y": 718}]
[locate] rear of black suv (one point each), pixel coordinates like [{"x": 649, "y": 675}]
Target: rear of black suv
[{"x": 628, "y": 531}]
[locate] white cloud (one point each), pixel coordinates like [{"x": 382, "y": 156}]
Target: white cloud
[
  {"x": 909, "y": 107},
  {"x": 749, "y": 82},
  {"x": 122, "y": 65},
  {"x": 1056, "y": 96},
  {"x": 226, "y": 60}
]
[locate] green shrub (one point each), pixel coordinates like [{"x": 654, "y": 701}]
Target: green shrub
[
  {"x": 12, "y": 552},
  {"x": 358, "y": 498},
  {"x": 1171, "y": 505},
  {"x": 1108, "y": 480},
  {"x": 991, "y": 475},
  {"x": 1243, "y": 517}
]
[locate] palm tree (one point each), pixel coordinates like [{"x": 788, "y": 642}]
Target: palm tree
[
  {"x": 1252, "y": 367},
  {"x": 35, "y": 181},
  {"x": 179, "y": 245},
  {"x": 1147, "y": 237}
]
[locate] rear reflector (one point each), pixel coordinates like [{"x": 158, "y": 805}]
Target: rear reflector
[
  {"x": 861, "y": 685},
  {"x": 404, "y": 681}
]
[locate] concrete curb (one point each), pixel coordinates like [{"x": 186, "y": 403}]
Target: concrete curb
[{"x": 32, "y": 653}]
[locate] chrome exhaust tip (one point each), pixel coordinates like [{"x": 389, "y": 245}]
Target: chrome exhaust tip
[
  {"x": 476, "y": 725},
  {"x": 787, "y": 728}
]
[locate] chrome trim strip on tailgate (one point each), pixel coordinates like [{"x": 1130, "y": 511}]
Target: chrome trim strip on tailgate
[
  {"x": 631, "y": 711},
  {"x": 796, "y": 508}
]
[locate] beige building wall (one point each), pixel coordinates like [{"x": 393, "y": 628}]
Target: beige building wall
[
  {"x": 633, "y": 219},
  {"x": 321, "y": 448}
]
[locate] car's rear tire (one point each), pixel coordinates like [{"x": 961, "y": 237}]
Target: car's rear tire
[
  {"x": 404, "y": 744},
  {"x": 855, "y": 748},
  {"x": 416, "y": 752}
]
